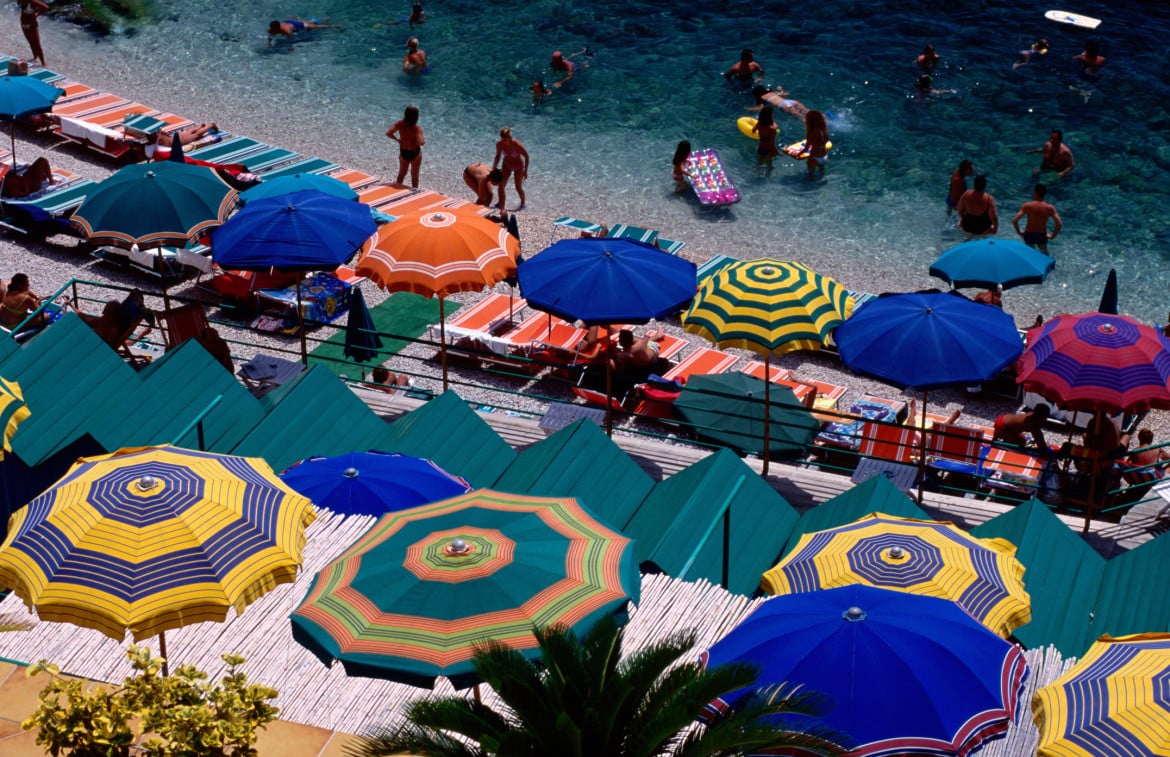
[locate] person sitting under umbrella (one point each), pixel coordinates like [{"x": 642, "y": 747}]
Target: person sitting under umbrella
[
  {"x": 386, "y": 380},
  {"x": 1010, "y": 427},
  {"x": 28, "y": 180},
  {"x": 637, "y": 354}
]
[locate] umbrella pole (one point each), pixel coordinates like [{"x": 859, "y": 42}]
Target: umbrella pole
[
  {"x": 301, "y": 321},
  {"x": 162, "y": 650},
  {"x": 921, "y": 448},
  {"x": 608, "y": 397},
  {"x": 767, "y": 412},
  {"x": 443, "y": 343}
]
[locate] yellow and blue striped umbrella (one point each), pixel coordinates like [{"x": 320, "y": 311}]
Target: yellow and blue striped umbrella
[
  {"x": 927, "y": 557},
  {"x": 154, "y": 538},
  {"x": 1114, "y": 702},
  {"x": 12, "y": 412},
  {"x": 768, "y": 306}
]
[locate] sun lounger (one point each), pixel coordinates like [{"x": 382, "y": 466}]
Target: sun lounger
[
  {"x": 346, "y": 274},
  {"x": 355, "y": 179},
  {"x": 888, "y": 442},
  {"x": 805, "y": 393},
  {"x": 701, "y": 361},
  {"x": 263, "y": 373},
  {"x": 548, "y": 335},
  {"x": 112, "y": 117},
  {"x": 304, "y": 165},
  {"x": 58, "y": 202},
  {"x": 143, "y": 125},
  {"x": 845, "y": 433},
  {"x": 182, "y": 322},
  {"x": 402, "y": 204},
  {"x": 1011, "y": 471},
  {"x": 88, "y": 105},
  {"x": 269, "y": 158},
  {"x": 109, "y": 142},
  {"x": 669, "y": 246},
  {"x": 954, "y": 449},
  {"x": 381, "y": 194},
  {"x": 481, "y": 325},
  {"x": 713, "y": 265},
  {"x": 228, "y": 150},
  {"x": 73, "y": 91}
]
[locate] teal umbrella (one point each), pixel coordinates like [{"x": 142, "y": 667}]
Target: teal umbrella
[
  {"x": 22, "y": 96},
  {"x": 163, "y": 204},
  {"x": 284, "y": 185},
  {"x": 728, "y": 408}
]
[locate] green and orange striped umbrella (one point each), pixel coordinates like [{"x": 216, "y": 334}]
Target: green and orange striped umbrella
[
  {"x": 1113, "y": 702},
  {"x": 411, "y": 599},
  {"x": 927, "y": 557}
]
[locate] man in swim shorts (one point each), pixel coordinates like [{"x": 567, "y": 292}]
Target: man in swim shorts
[
  {"x": 1038, "y": 212},
  {"x": 958, "y": 184},
  {"x": 744, "y": 70},
  {"x": 1057, "y": 156},
  {"x": 415, "y": 61},
  {"x": 637, "y": 353}
]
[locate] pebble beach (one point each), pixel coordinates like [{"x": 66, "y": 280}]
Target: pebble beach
[{"x": 240, "y": 107}]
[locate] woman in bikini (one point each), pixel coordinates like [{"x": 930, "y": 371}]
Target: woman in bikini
[
  {"x": 976, "y": 210},
  {"x": 18, "y": 302},
  {"x": 409, "y": 136},
  {"x": 515, "y": 159},
  {"x": 816, "y": 136},
  {"x": 767, "y": 130},
  {"x": 29, "y": 11}
]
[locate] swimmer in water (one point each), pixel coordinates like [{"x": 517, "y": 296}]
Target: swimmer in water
[
  {"x": 539, "y": 91},
  {"x": 928, "y": 60},
  {"x": 777, "y": 98},
  {"x": 291, "y": 26},
  {"x": 415, "y": 61},
  {"x": 563, "y": 64},
  {"x": 1090, "y": 60},
  {"x": 1039, "y": 47}
]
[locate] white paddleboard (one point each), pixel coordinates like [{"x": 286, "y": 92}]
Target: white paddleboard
[{"x": 1076, "y": 19}]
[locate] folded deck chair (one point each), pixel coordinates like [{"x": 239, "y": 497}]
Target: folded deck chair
[
  {"x": 636, "y": 233},
  {"x": 657, "y": 395},
  {"x": 583, "y": 228},
  {"x": 888, "y": 442},
  {"x": 182, "y": 322},
  {"x": 1011, "y": 470},
  {"x": 263, "y": 373}
]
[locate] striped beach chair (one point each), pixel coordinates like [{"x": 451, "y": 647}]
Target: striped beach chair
[
  {"x": 583, "y": 228},
  {"x": 805, "y": 392}
]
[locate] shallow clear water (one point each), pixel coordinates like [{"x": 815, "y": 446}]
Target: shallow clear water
[{"x": 602, "y": 149}]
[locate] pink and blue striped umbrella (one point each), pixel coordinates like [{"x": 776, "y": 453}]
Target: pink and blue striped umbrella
[{"x": 1097, "y": 361}]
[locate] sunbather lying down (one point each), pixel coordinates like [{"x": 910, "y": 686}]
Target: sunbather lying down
[
  {"x": 185, "y": 135},
  {"x": 22, "y": 182}
]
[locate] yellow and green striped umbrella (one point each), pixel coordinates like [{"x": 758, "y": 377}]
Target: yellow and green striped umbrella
[
  {"x": 415, "y": 595},
  {"x": 1115, "y": 702},
  {"x": 154, "y": 538},
  {"x": 12, "y": 412},
  {"x": 927, "y": 557},
  {"x": 768, "y": 306}
]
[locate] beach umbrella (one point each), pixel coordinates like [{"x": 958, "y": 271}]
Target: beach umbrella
[
  {"x": 992, "y": 263},
  {"x": 154, "y": 205},
  {"x": 1112, "y": 703},
  {"x": 927, "y": 557},
  {"x": 13, "y": 411},
  {"x": 303, "y": 231},
  {"x": 729, "y": 408},
  {"x": 285, "y": 185},
  {"x": 925, "y": 340},
  {"x": 1097, "y": 361},
  {"x": 362, "y": 341},
  {"x": 372, "y": 483},
  {"x": 416, "y": 594},
  {"x": 151, "y": 539},
  {"x": 900, "y": 673},
  {"x": 436, "y": 253},
  {"x": 603, "y": 281},
  {"x": 23, "y": 96},
  {"x": 768, "y": 307}
]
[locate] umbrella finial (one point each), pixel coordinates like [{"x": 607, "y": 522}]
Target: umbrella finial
[
  {"x": 853, "y": 614},
  {"x": 149, "y": 174},
  {"x": 146, "y": 483},
  {"x": 350, "y": 473},
  {"x": 897, "y": 553},
  {"x": 457, "y": 547}
]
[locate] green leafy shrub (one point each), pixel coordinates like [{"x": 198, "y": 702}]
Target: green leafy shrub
[{"x": 181, "y": 715}]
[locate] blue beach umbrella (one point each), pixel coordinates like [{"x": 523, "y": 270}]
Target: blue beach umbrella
[
  {"x": 372, "y": 483},
  {"x": 603, "y": 281},
  {"x": 23, "y": 96},
  {"x": 361, "y": 338},
  {"x": 285, "y": 185},
  {"x": 304, "y": 231},
  {"x": 928, "y": 340},
  {"x": 990, "y": 263},
  {"x": 901, "y": 673}
]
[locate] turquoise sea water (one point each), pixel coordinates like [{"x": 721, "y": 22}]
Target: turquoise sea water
[{"x": 601, "y": 150}]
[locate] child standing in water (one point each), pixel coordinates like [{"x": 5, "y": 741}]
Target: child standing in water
[
  {"x": 767, "y": 129},
  {"x": 816, "y": 135},
  {"x": 681, "y": 153}
]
